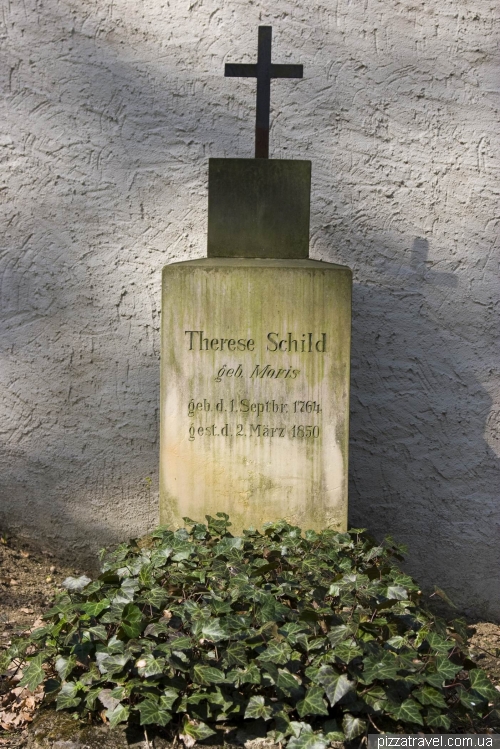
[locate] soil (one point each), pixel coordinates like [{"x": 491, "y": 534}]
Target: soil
[{"x": 29, "y": 579}]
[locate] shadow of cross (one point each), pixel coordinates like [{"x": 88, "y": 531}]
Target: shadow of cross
[{"x": 263, "y": 70}]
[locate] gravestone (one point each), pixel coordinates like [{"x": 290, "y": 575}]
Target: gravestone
[{"x": 255, "y": 349}]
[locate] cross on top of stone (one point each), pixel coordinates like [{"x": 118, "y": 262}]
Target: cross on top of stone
[{"x": 263, "y": 70}]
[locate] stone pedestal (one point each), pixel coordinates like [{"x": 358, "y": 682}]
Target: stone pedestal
[{"x": 255, "y": 391}]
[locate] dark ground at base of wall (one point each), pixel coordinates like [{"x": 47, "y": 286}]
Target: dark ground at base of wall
[{"x": 29, "y": 578}]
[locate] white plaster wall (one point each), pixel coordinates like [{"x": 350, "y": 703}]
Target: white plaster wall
[{"x": 109, "y": 112}]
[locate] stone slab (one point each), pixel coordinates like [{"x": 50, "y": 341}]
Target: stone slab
[
  {"x": 255, "y": 391},
  {"x": 258, "y": 208}
]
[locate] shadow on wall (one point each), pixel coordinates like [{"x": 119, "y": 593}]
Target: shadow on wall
[
  {"x": 418, "y": 421},
  {"x": 79, "y": 305}
]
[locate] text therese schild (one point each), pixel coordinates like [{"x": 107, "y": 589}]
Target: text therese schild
[{"x": 303, "y": 343}]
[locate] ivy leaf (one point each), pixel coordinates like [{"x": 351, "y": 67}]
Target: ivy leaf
[
  {"x": 197, "y": 697},
  {"x": 429, "y": 696},
  {"x": 99, "y": 631},
  {"x": 213, "y": 631},
  {"x": 422, "y": 635},
  {"x": 287, "y": 681},
  {"x": 195, "y": 730},
  {"x": 307, "y": 739},
  {"x": 63, "y": 606},
  {"x": 460, "y": 627},
  {"x": 220, "y": 699},
  {"x": 180, "y": 556},
  {"x": 151, "y": 711},
  {"x": 168, "y": 697},
  {"x": 436, "y": 719},
  {"x": 263, "y": 569},
  {"x": 118, "y": 714},
  {"x": 64, "y": 666},
  {"x": 376, "y": 697},
  {"x": 433, "y": 678},
  {"x": 108, "y": 699},
  {"x": 438, "y": 643},
  {"x": 76, "y": 583},
  {"x": 95, "y": 608},
  {"x": 292, "y": 629},
  {"x": 115, "y": 645},
  {"x": 251, "y": 675},
  {"x": 470, "y": 700},
  {"x": 442, "y": 594},
  {"x": 112, "y": 664},
  {"x": 148, "y": 665},
  {"x": 379, "y": 667},
  {"x": 335, "y": 736},
  {"x": 180, "y": 643},
  {"x": 335, "y": 685},
  {"x": 272, "y": 610},
  {"x": 312, "y": 643},
  {"x": 67, "y": 696},
  {"x": 397, "y": 592},
  {"x": 481, "y": 684},
  {"x": 179, "y": 661},
  {"x": 33, "y": 674},
  {"x": 157, "y": 597},
  {"x": 91, "y": 697},
  {"x": 131, "y": 621},
  {"x": 408, "y": 712},
  {"x": 226, "y": 545},
  {"x": 93, "y": 587},
  {"x": 236, "y": 654},
  {"x": 269, "y": 674},
  {"x": 207, "y": 674},
  {"x": 337, "y": 634},
  {"x": 220, "y": 607},
  {"x": 313, "y": 703},
  {"x": 114, "y": 614},
  {"x": 375, "y": 551},
  {"x": 347, "y": 651},
  {"x": 257, "y": 708},
  {"x": 281, "y": 726},
  {"x": 352, "y": 726},
  {"x": 145, "y": 576},
  {"x": 121, "y": 692},
  {"x": 445, "y": 668},
  {"x": 160, "y": 556},
  {"x": 42, "y": 632},
  {"x": 276, "y": 652},
  {"x": 397, "y": 642},
  {"x": 296, "y": 727}
]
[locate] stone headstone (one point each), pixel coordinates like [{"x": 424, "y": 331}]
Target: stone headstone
[{"x": 255, "y": 360}]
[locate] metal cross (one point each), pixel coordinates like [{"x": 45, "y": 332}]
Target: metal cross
[{"x": 263, "y": 70}]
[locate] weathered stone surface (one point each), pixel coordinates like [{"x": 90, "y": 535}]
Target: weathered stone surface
[
  {"x": 258, "y": 208},
  {"x": 255, "y": 391}
]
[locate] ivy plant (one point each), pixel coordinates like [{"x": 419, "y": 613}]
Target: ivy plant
[{"x": 319, "y": 635}]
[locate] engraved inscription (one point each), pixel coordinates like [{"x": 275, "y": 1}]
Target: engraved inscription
[
  {"x": 246, "y": 406},
  {"x": 299, "y": 431},
  {"x": 199, "y": 409},
  {"x": 303, "y": 343}
]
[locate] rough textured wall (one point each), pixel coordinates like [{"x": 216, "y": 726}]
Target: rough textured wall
[{"x": 110, "y": 110}]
